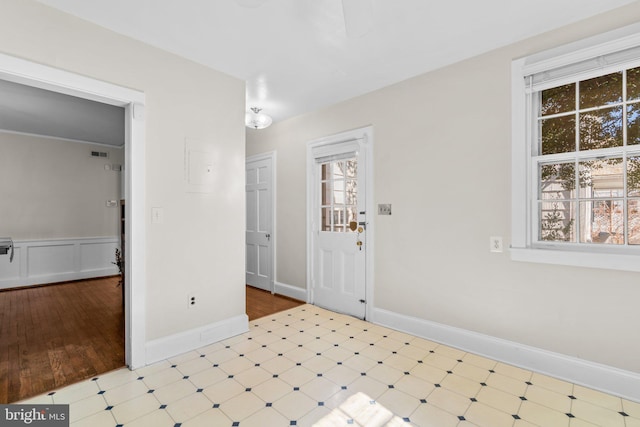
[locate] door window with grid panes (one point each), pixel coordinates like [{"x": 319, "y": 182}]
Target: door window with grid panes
[
  {"x": 586, "y": 161},
  {"x": 339, "y": 193}
]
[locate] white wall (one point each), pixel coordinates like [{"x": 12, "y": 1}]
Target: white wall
[
  {"x": 55, "y": 189},
  {"x": 199, "y": 248},
  {"x": 442, "y": 159}
]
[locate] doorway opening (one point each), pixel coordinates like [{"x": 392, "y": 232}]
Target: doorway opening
[{"x": 40, "y": 76}]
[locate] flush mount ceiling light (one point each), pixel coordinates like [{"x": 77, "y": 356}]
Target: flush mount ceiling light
[{"x": 257, "y": 120}]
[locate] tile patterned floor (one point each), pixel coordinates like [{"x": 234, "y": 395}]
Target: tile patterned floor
[{"x": 308, "y": 366}]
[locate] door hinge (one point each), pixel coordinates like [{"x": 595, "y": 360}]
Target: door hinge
[{"x": 363, "y": 301}]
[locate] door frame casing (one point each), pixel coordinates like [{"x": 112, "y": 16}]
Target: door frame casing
[
  {"x": 29, "y": 73},
  {"x": 366, "y": 135},
  {"x": 274, "y": 235}
]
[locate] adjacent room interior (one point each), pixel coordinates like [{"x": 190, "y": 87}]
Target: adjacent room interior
[
  {"x": 451, "y": 191},
  {"x": 65, "y": 157}
]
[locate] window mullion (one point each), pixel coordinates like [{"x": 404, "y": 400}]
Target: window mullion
[
  {"x": 582, "y": 155},
  {"x": 624, "y": 107},
  {"x": 577, "y": 115},
  {"x": 625, "y": 196},
  {"x": 575, "y": 203},
  {"x": 536, "y": 201}
]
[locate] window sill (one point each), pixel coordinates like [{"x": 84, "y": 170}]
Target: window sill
[{"x": 622, "y": 262}]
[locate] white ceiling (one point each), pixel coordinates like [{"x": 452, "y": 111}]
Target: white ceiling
[{"x": 296, "y": 56}]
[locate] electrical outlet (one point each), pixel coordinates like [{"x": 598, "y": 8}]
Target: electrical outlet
[
  {"x": 191, "y": 300},
  {"x": 384, "y": 209},
  {"x": 495, "y": 243}
]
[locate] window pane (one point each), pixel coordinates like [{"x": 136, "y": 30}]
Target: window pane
[
  {"x": 338, "y": 218},
  {"x": 558, "y": 100},
  {"x": 633, "y": 124},
  {"x": 601, "y": 129},
  {"x": 326, "y": 219},
  {"x": 633, "y": 176},
  {"x": 634, "y": 222},
  {"x": 602, "y": 90},
  {"x": 325, "y": 171},
  {"x": 557, "y": 181},
  {"x": 633, "y": 84},
  {"x": 352, "y": 168},
  {"x": 558, "y": 135},
  {"x": 352, "y": 192},
  {"x": 338, "y": 195},
  {"x": 602, "y": 221},
  {"x": 557, "y": 221},
  {"x": 338, "y": 192},
  {"x": 601, "y": 178},
  {"x": 326, "y": 193}
]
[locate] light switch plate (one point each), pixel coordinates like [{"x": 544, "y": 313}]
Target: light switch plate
[{"x": 384, "y": 209}]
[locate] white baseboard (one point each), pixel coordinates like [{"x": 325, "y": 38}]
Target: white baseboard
[
  {"x": 172, "y": 345},
  {"x": 38, "y": 262},
  {"x": 625, "y": 384},
  {"x": 290, "y": 291}
]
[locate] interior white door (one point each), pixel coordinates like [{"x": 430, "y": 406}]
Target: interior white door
[
  {"x": 259, "y": 239},
  {"x": 339, "y": 281}
]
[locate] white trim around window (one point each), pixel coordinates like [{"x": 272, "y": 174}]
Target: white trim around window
[{"x": 592, "y": 56}]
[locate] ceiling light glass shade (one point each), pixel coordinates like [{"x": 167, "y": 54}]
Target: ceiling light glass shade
[{"x": 257, "y": 120}]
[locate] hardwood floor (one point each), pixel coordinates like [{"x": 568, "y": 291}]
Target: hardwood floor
[
  {"x": 262, "y": 303},
  {"x": 56, "y": 335},
  {"x": 52, "y": 336}
]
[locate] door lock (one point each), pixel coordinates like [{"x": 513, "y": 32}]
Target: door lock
[{"x": 268, "y": 236}]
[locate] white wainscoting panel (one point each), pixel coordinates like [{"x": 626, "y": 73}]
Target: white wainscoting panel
[
  {"x": 10, "y": 271},
  {"x": 50, "y": 259},
  {"x": 38, "y": 262}
]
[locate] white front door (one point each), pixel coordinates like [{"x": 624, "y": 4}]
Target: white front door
[
  {"x": 339, "y": 246},
  {"x": 259, "y": 239}
]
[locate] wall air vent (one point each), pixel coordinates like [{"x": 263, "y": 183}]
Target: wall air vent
[{"x": 102, "y": 154}]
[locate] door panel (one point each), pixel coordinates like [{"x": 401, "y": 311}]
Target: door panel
[
  {"x": 259, "y": 255},
  {"x": 339, "y": 262}
]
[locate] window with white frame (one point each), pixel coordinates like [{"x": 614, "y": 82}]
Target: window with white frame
[
  {"x": 576, "y": 159},
  {"x": 586, "y": 160}
]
